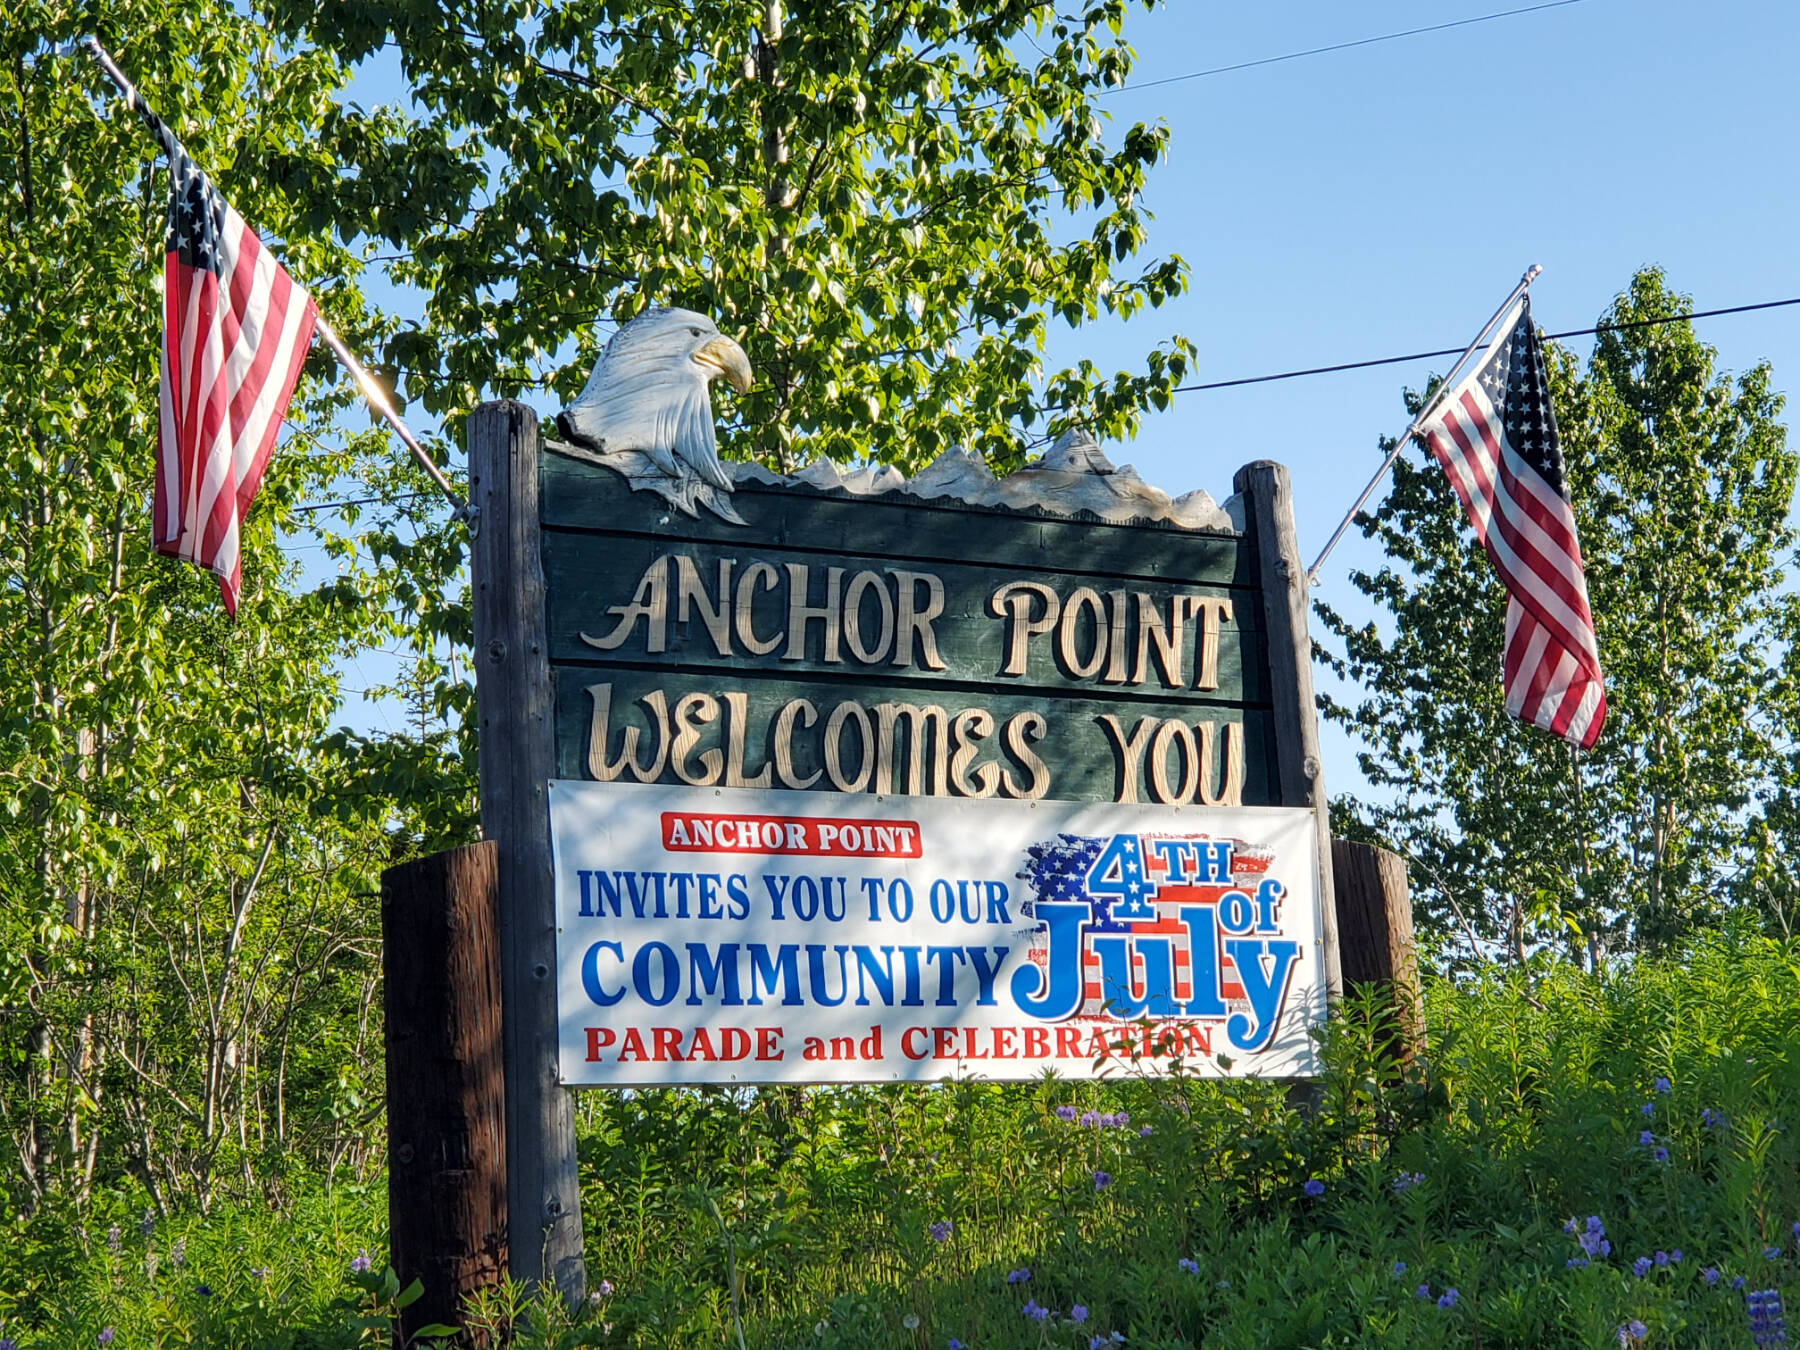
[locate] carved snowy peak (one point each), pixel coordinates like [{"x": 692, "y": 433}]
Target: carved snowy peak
[{"x": 1074, "y": 476}]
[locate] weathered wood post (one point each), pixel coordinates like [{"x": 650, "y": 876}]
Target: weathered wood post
[
  {"x": 1300, "y": 775},
  {"x": 1375, "y": 936},
  {"x": 445, "y": 1087},
  {"x": 514, "y": 703}
]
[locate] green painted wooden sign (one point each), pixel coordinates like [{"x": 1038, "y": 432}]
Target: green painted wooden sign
[{"x": 893, "y": 643}]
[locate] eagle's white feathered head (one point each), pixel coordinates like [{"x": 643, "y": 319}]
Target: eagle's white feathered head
[{"x": 648, "y": 393}]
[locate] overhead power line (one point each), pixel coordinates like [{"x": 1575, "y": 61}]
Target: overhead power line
[
  {"x": 1457, "y": 351},
  {"x": 1344, "y": 46}
]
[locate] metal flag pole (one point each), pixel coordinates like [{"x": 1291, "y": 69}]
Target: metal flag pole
[
  {"x": 1444, "y": 387},
  {"x": 371, "y": 391}
]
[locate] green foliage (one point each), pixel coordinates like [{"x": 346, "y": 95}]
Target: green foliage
[
  {"x": 187, "y": 950},
  {"x": 889, "y": 204},
  {"x": 806, "y": 1218},
  {"x": 1682, "y": 482}
]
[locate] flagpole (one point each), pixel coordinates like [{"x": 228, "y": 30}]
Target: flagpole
[
  {"x": 1444, "y": 387},
  {"x": 371, "y": 391}
]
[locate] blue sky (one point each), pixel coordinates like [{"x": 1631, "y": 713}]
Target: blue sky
[{"x": 1363, "y": 203}]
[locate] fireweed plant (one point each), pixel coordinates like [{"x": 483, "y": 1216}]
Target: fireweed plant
[{"x": 1500, "y": 1193}]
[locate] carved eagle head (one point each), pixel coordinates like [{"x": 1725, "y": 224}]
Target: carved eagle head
[{"x": 648, "y": 393}]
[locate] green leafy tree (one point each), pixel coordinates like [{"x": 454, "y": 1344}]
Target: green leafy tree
[
  {"x": 889, "y": 203},
  {"x": 180, "y": 856},
  {"x": 1682, "y": 483}
]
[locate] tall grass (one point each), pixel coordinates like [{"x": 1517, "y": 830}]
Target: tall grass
[{"x": 1659, "y": 1100}]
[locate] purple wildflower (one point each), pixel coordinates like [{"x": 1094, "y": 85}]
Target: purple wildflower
[
  {"x": 1102, "y": 1180},
  {"x": 1123, "y": 1119},
  {"x": 1090, "y": 1118},
  {"x": 1633, "y": 1330},
  {"x": 1036, "y": 1311},
  {"x": 1406, "y": 1181},
  {"x": 1675, "y": 1256},
  {"x": 1710, "y": 1275},
  {"x": 1190, "y": 1266},
  {"x": 1737, "y": 1283},
  {"x": 1661, "y": 1155},
  {"x": 1662, "y": 1258},
  {"x": 1423, "y": 1291},
  {"x": 604, "y": 1289},
  {"x": 1314, "y": 1187},
  {"x": 8, "y": 1343},
  {"x": 1576, "y": 1262},
  {"x": 1078, "y": 1313},
  {"x": 1772, "y": 1253},
  {"x": 1144, "y": 1133},
  {"x": 1646, "y": 1138},
  {"x": 941, "y": 1230},
  {"x": 1065, "y": 1113},
  {"x": 106, "y": 1335},
  {"x": 1448, "y": 1298},
  {"x": 1768, "y": 1328},
  {"x": 1399, "y": 1268},
  {"x": 1019, "y": 1276},
  {"x": 204, "y": 1290},
  {"x": 1641, "y": 1267},
  {"x": 1663, "y": 1086},
  {"x": 1647, "y": 1109},
  {"x": 954, "y": 1344},
  {"x": 360, "y": 1263},
  {"x": 1711, "y": 1119}
]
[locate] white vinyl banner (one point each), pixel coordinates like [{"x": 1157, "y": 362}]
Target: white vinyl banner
[{"x": 719, "y": 935}]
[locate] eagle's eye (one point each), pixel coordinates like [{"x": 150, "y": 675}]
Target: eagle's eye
[{"x": 694, "y": 331}]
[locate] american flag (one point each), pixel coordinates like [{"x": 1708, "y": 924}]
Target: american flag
[
  {"x": 1495, "y": 435},
  {"x": 235, "y": 331}
]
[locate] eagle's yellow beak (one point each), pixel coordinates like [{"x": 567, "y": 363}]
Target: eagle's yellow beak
[{"x": 726, "y": 357}]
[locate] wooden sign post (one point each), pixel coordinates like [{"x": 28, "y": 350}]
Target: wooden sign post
[
  {"x": 1065, "y": 636},
  {"x": 513, "y": 700}
]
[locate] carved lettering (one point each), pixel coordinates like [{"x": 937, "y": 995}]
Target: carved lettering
[
  {"x": 605, "y": 770},
  {"x": 757, "y": 576},
  {"x": 861, "y": 583},
  {"x": 690, "y": 595},
  {"x": 1214, "y": 611},
  {"x": 1165, "y": 638},
  {"x": 827, "y": 615},
  {"x": 1083, "y": 598},
  {"x": 1231, "y": 787},
  {"x": 915, "y": 622},
  {"x": 693, "y": 711},
  {"x": 1020, "y": 731},
  {"x": 1130, "y": 751},
  {"x": 1115, "y": 637},
  {"x": 834, "y": 751},
  {"x": 967, "y": 730},
  {"x": 927, "y": 723},
  {"x": 784, "y": 742},
  {"x": 1173, "y": 733},
  {"x": 737, "y": 709},
  {"x": 1012, "y": 602},
  {"x": 650, "y": 602}
]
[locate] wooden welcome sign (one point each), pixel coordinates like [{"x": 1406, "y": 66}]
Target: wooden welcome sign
[{"x": 883, "y": 780}]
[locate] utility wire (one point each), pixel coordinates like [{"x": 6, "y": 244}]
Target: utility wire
[
  {"x": 1457, "y": 351},
  {"x": 1344, "y": 46},
  {"x": 1297, "y": 374}
]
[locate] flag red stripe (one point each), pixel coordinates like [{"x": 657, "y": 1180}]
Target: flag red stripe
[
  {"x": 235, "y": 332},
  {"x": 1550, "y": 669}
]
